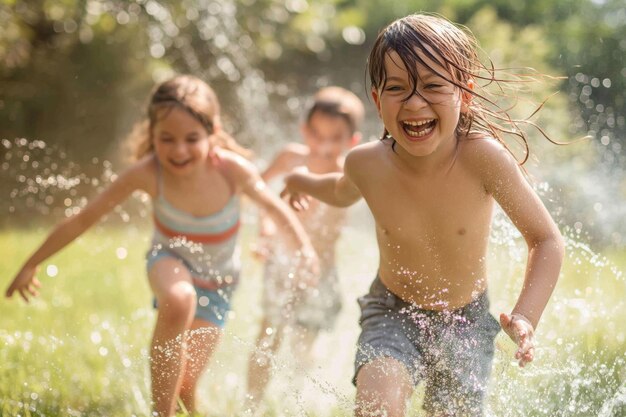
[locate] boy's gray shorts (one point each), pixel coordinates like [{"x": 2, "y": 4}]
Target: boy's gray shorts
[
  {"x": 315, "y": 309},
  {"x": 451, "y": 351}
]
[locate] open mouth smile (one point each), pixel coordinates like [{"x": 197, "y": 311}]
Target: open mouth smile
[
  {"x": 179, "y": 163},
  {"x": 420, "y": 128}
]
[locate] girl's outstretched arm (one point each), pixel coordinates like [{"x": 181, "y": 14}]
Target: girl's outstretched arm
[
  {"x": 289, "y": 157},
  {"x": 251, "y": 184},
  {"x": 335, "y": 189},
  {"x": 504, "y": 180},
  {"x": 25, "y": 282}
]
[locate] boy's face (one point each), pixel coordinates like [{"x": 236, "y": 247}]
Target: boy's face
[
  {"x": 429, "y": 117},
  {"x": 326, "y": 135}
]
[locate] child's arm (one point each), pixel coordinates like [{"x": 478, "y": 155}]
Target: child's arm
[
  {"x": 288, "y": 158},
  {"x": 335, "y": 189},
  {"x": 504, "y": 180},
  {"x": 25, "y": 282},
  {"x": 251, "y": 183}
]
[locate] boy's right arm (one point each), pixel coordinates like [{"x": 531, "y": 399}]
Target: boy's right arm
[
  {"x": 335, "y": 189},
  {"x": 25, "y": 282}
]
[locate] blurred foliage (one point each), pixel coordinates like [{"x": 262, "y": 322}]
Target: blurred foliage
[
  {"x": 68, "y": 74},
  {"x": 64, "y": 51},
  {"x": 76, "y": 73}
]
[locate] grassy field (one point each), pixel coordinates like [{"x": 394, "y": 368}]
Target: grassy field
[{"x": 80, "y": 349}]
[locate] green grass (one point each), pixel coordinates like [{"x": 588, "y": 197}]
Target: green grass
[{"x": 80, "y": 349}]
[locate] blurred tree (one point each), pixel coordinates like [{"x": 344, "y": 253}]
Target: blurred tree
[{"x": 69, "y": 70}]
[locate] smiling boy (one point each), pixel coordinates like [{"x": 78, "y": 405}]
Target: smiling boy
[{"x": 431, "y": 183}]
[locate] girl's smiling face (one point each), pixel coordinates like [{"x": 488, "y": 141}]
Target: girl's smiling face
[
  {"x": 181, "y": 143},
  {"x": 423, "y": 117}
]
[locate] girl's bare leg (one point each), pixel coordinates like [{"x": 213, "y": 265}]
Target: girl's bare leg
[
  {"x": 201, "y": 344},
  {"x": 383, "y": 388},
  {"x": 176, "y": 298}
]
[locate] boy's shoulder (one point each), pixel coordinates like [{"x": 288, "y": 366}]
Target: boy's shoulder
[
  {"x": 294, "y": 153},
  {"x": 486, "y": 156},
  {"x": 290, "y": 156},
  {"x": 483, "y": 149},
  {"x": 296, "y": 149},
  {"x": 362, "y": 157},
  {"x": 372, "y": 148},
  {"x": 364, "y": 152}
]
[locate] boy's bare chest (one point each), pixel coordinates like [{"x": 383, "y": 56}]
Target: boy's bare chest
[{"x": 450, "y": 207}]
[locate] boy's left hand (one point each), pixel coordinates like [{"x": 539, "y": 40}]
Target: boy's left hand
[
  {"x": 522, "y": 332},
  {"x": 297, "y": 200}
]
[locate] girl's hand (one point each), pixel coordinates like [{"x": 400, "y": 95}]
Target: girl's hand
[
  {"x": 25, "y": 283},
  {"x": 522, "y": 332},
  {"x": 261, "y": 249}
]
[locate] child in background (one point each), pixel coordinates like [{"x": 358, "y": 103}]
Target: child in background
[
  {"x": 431, "y": 183},
  {"x": 329, "y": 130},
  {"x": 195, "y": 173}
]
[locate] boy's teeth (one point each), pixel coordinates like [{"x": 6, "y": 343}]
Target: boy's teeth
[
  {"x": 420, "y": 123},
  {"x": 419, "y": 128}
]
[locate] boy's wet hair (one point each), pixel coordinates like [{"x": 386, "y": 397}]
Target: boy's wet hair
[
  {"x": 338, "y": 102},
  {"x": 195, "y": 97},
  {"x": 454, "y": 47}
]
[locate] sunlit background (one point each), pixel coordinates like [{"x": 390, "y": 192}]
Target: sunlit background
[{"x": 74, "y": 78}]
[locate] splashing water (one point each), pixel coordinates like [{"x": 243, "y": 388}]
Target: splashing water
[
  {"x": 101, "y": 346},
  {"x": 81, "y": 349}
]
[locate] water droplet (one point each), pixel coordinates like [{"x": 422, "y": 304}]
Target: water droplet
[
  {"x": 353, "y": 35},
  {"x": 121, "y": 253},
  {"x": 52, "y": 271},
  {"x": 96, "y": 337}
]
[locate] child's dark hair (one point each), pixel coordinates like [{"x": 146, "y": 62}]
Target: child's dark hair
[
  {"x": 192, "y": 95},
  {"x": 455, "y": 48},
  {"x": 338, "y": 102}
]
